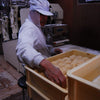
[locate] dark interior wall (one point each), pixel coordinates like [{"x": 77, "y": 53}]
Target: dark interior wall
[
  {"x": 84, "y": 22},
  {"x": 86, "y": 25}
]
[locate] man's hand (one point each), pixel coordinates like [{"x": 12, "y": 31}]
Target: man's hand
[
  {"x": 53, "y": 73},
  {"x": 57, "y": 51}
]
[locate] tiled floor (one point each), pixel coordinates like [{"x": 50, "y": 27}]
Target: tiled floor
[{"x": 9, "y": 90}]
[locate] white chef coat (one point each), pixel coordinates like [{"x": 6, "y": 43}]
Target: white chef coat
[{"x": 31, "y": 47}]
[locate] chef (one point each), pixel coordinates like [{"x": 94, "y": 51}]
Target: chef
[{"x": 32, "y": 48}]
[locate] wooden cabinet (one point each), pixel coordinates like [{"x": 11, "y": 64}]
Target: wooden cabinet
[{"x": 83, "y": 20}]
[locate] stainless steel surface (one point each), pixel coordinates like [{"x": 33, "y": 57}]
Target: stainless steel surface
[{"x": 84, "y": 49}]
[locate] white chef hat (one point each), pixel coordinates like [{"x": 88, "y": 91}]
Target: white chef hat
[{"x": 42, "y": 6}]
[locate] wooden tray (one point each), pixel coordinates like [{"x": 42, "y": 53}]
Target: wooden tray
[
  {"x": 84, "y": 81},
  {"x": 46, "y": 88}
]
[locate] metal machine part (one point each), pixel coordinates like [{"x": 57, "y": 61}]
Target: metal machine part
[
  {"x": 58, "y": 33},
  {"x": 5, "y": 30},
  {"x": 58, "y": 13}
]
